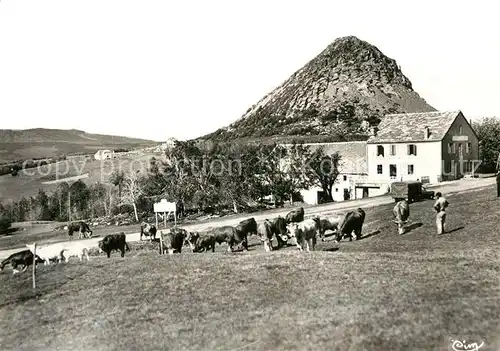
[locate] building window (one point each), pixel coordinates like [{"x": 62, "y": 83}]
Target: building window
[
  {"x": 393, "y": 173},
  {"x": 468, "y": 148},
  {"x": 412, "y": 149},
  {"x": 379, "y": 169},
  {"x": 460, "y": 130},
  {"x": 451, "y": 148},
  {"x": 380, "y": 150},
  {"x": 393, "y": 150},
  {"x": 460, "y": 149},
  {"x": 411, "y": 169},
  {"x": 345, "y": 178}
]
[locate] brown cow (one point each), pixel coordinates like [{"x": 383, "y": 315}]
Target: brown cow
[
  {"x": 200, "y": 243},
  {"x": 173, "y": 240},
  {"x": 231, "y": 236}
]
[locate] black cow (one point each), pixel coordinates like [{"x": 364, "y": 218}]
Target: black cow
[
  {"x": 200, "y": 243},
  {"x": 296, "y": 215},
  {"x": 231, "y": 236},
  {"x": 24, "y": 258},
  {"x": 148, "y": 230},
  {"x": 248, "y": 225},
  {"x": 353, "y": 222},
  {"x": 113, "y": 242},
  {"x": 81, "y": 227},
  {"x": 173, "y": 240},
  {"x": 279, "y": 229}
]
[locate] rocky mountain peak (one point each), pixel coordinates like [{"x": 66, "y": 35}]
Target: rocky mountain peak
[{"x": 341, "y": 92}]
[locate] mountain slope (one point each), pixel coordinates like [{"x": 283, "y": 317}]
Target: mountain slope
[
  {"x": 347, "y": 87},
  {"x": 40, "y": 142}
]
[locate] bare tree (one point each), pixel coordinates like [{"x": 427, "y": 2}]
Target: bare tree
[{"x": 131, "y": 192}]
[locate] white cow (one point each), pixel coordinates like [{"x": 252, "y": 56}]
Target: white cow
[
  {"x": 304, "y": 233},
  {"x": 75, "y": 250},
  {"x": 401, "y": 213},
  {"x": 48, "y": 252}
]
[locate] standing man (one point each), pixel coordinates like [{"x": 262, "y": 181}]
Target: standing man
[{"x": 440, "y": 207}]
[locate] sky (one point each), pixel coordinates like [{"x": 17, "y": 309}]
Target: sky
[{"x": 159, "y": 69}]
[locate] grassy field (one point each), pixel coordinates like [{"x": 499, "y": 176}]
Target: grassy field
[
  {"x": 384, "y": 292},
  {"x": 29, "y": 181}
]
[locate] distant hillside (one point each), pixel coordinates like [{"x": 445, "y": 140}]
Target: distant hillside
[
  {"x": 40, "y": 142},
  {"x": 337, "y": 95}
]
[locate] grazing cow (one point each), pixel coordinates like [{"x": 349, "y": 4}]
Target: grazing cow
[
  {"x": 173, "y": 240},
  {"x": 276, "y": 227},
  {"x": 294, "y": 216},
  {"x": 81, "y": 227},
  {"x": 353, "y": 222},
  {"x": 304, "y": 233},
  {"x": 79, "y": 250},
  {"x": 148, "y": 230},
  {"x": 112, "y": 242},
  {"x": 24, "y": 258},
  {"x": 265, "y": 231},
  {"x": 248, "y": 225},
  {"x": 231, "y": 237},
  {"x": 327, "y": 223},
  {"x": 201, "y": 243},
  {"x": 280, "y": 230},
  {"x": 401, "y": 213},
  {"x": 48, "y": 253}
]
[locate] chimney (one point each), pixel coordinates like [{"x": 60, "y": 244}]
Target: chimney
[
  {"x": 427, "y": 133},
  {"x": 373, "y": 131}
]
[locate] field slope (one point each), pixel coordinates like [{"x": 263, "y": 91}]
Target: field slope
[
  {"x": 384, "y": 292},
  {"x": 43, "y": 142}
]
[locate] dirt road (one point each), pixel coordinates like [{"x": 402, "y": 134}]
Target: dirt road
[{"x": 447, "y": 188}]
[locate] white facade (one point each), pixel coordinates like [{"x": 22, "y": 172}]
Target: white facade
[
  {"x": 103, "y": 155},
  {"x": 405, "y": 161},
  {"x": 342, "y": 190}
]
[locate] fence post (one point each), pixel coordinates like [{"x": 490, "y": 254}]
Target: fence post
[{"x": 34, "y": 267}]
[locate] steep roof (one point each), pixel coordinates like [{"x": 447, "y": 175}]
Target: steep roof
[
  {"x": 405, "y": 127},
  {"x": 352, "y": 153}
]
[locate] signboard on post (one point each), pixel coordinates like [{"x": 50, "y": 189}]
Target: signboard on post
[{"x": 164, "y": 207}]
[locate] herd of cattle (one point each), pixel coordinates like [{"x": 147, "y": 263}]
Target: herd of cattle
[{"x": 304, "y": 231}]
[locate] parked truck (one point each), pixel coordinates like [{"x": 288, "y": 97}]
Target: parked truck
[{"x": 410, "y": 191}]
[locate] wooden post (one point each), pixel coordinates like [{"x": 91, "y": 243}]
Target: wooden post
[
  {"x": 34, "y": 267},
  {"x": 161, "y": 243},
  {"x": 165, "y": 219},
  {"x": 175, "y": 219}
]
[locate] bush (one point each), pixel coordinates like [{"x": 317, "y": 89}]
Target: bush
[{"x": 5, "y": 223}]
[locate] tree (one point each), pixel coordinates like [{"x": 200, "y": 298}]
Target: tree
[
  {"x": 298, "y": 175},
  {"x": 488, "y": 132},
  {"x": 42, "y": 202},
  {"x": 80, "y": 196},
  {"x": 325, "y": 169},
  {"x": 132, "y": 191},
  {"x": 5, "y": 223},
  {"x": 271, "y": 167},
  {"x": 98, "y": 199},
  {"x": 5, "y": 220},
  {"x": 117, "y": 178}
]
